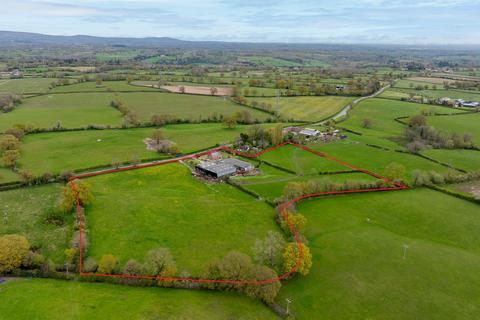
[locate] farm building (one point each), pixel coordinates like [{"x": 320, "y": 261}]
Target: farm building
[
  {"x": 224, "y": 168},
  {"x": 308, "y": 133},
  {"x": 468, "y": 104}
]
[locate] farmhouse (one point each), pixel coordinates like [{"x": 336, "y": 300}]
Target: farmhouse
[{"x": 223, "y": 168}]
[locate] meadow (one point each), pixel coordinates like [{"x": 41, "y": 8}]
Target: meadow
[
  {"x": 70, "y": 110},
  {"x": 467, "y": 123},
  {"x": 307, "y": 108},
  {"x": 301, "y": 161},
  {"x": 106, "y": 86},
  {"x": 184, "y": 106},
  {"x": 165, "y": 206},
  {"x": 374, "y": 159},
  {"x": 57, "y": 299},
  {"x": 26, "y": 211},
  {"x": 7, "y": 175},
  {"x": 382, "y": 113},
  {"x": 468, "y": 160},
  {"x": 271, "y": 183},
  {"x": 59, "y": 151},
  {"x": 27, "y": 85},
  {"x": 359, "y": 270}
]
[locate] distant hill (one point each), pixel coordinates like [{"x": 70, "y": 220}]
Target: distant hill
[{"x": 14, "y": 38}]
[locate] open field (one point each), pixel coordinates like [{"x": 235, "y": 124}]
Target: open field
[
  {"x": 375, "y": 160},
  {"x": 136, "y": 211},
  {"x": 307, "y": 108},
  {"x": 467, "y": 123},
  {"x": 25, "y": 211},
  {"x": 62, "y": 300},
  {"x": 206, "y": 91},
  {"x": 359, "y": 272},
  {"x": 184, "y": 106},
  {"x": 382, "y": 113},
  {"x": 271, "y": 183},
  {"x": 30, "y": 85},
  {"x": 7, "y": 175},
  {"x": 468, "y": 160},
  {"x": 71, "y": 110},
  {"x": 300, "y": 161},
  {"x": 106, "y": 86},
  {"x": 59, "y": 151},
  {"x": 433, "y": 94}
]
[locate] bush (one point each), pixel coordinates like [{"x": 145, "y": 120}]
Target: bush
[
  {"x": 13, "y": 250},
  {"x": 291, "y": 255},
  {"x": 107, "y": 264}
]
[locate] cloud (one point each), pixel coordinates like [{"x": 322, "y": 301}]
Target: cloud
[{"x": 385, "y": 21}]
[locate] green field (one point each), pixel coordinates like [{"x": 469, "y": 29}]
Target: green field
[
  {"x": 136, "y": 211},
  {"x": 271, "y": 183},
  {"x": 467, "y": 123},
  {"x": 106, "y": 86},
  {"x": 382, "y": 113},
  {"x": 307, "y": 108},
  {"x": 7, "y": 175},
  {"x": 27, "y": 85},
  {"x": 62, "y": 300},
  {"x": 184, "y": 106},
  {"x": 468, "y": 160},
  {"x": 25, "y": 211},
  {"x": 375, "y": 160},
  {"x": 359, "y": 272},
  {"x": 71, "y": 110},
  {"x": 435, "y": 94},
  {"x": 300, "y": 161},
  {"x": 58, "y": 151}
]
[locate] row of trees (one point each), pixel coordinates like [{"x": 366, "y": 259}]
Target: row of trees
[
  {"x": 295, "y": 190},
  {"x": 425, "y": 178}
]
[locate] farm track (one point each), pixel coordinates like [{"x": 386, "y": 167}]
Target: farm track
[{"x": 281, "y": 210}]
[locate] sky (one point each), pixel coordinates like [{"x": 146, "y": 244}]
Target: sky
[{"x": 307, "y": 21}]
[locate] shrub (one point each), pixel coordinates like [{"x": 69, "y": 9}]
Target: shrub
[
  {"x": 107, "y": 264},
  {"x": 90, "y": 265},
  {"x": 291, "y": 254},
  {"x": 13, "y": 249}
]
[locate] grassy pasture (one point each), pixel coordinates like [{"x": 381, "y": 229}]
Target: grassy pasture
[
  {"x": 435, "y": 94},
  {"x": 382, "y": 113},
  {"x": 468, "y": 160},
  {"x": 358, "y": 272},
  {"x": 107, "y": 86},
  {"x": 184, "y": 106},
  {"x": 62, "y": 300},
  {"x": 71, "y": 110},
  {"x": 375, "y": 160},
  {"x": 270, "y": 185},
  {"x": 26, "y": 213},
  {"x": 7, "y": 175},
  {"x": 165, "y": 206},
  {"x": 58, "y": 151},
  {"x": 307, "y": 108},
  {"x": 300, "y": 161},
  {"x": 460, "y": 123},
  {"x": 30, "y": 85}
]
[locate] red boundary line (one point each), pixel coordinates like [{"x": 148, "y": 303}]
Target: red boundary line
[{"x": 282, "y": 209}]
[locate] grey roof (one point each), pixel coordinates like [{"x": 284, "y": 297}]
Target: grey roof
[
  {"x": 224, "y": 167},
  {"x": 220, "y": 169},
  {"x": 237, "y": 163}
]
